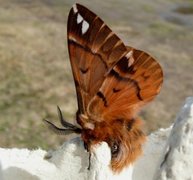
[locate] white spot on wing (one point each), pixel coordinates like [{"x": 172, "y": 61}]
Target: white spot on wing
[
  {"x": 79, "y": 19},
  {"x": 75, "y": 8},
  {"x": 85, "y": 26},
  {"x": 129, "y": 56}
]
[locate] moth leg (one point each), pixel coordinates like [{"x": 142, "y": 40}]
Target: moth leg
[
  {"x": 86, "y": 147},
  {"x": 89, "y": 164},
  {"x": 62, "y": 131},
  {"x": 63, "y": 121}
]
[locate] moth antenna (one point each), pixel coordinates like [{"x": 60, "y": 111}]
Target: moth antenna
[
  {"x": 63, "y": 121},
  {"x": 61, "y": 131}
]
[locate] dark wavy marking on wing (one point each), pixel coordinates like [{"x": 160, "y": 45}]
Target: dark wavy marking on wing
[
  {"x": 101, "y": 95},
  {"x": 129, "y": 80},
  {"x": 134, "y": 80},
  {"x": 87, "y": 49}
]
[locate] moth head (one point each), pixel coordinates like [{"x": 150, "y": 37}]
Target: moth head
[
  {"x": 125, "y": 143},
  {"x": 123, "y": 138}
]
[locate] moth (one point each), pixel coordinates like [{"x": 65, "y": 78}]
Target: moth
[{"x": 113, "y": 82}]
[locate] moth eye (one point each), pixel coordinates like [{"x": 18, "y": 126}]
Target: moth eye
[{"x": 114, "y": 149}]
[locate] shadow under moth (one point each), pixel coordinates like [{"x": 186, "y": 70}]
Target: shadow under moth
[{"x": 113, "y": 82}]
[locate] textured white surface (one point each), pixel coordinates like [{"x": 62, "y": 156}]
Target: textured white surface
[
  {"x": 146, "y": 165},
  {"x": 177, "y": 160},
  {"x": 70, "y": 161}
]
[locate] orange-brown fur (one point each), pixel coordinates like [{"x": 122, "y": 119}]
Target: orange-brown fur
[{"x": 127, "y": 132}]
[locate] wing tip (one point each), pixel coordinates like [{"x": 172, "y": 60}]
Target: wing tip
[{"x": 76, "y": 6}]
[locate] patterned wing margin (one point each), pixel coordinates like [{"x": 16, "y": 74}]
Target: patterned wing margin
[
  {"x": 94, "y": 49},
  {"x": 131, "y": 83}
]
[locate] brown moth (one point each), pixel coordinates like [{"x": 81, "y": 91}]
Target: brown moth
[{"x": 113, "y": 82}]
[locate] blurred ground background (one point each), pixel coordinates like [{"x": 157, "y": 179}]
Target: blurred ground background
[{"x": 35, "y": 73}]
